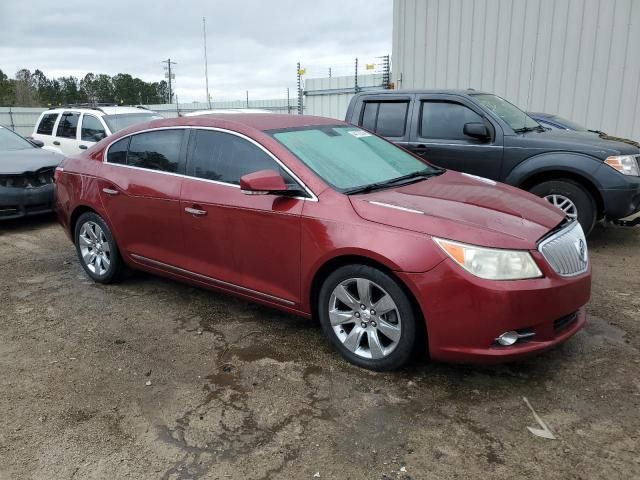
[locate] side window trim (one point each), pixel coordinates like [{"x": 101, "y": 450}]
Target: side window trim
[{"x": 312, "y": 196}]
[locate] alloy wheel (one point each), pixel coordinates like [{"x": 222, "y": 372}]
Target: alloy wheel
[
  {"x": 563, "y": 203},
  {"x": 365, "y": 318},
  {"x": 94, "y": 248}
]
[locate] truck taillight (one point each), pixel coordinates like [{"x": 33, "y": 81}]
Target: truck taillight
[{"x": 56, "y": 174}]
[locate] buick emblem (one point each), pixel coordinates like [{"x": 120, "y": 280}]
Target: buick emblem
[{"x": 581, "y": 247}]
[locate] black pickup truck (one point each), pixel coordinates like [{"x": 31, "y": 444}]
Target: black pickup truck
[{"x": 482, "y": 134}]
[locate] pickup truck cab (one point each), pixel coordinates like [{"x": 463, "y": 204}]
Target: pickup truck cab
[{"x": 479, "y": 133}]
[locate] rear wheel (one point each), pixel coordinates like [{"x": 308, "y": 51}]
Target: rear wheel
[
  {"x": 97, "y": 250},
  {"x": 367, "y": 316},
  {"x": 570, "y": 197}
]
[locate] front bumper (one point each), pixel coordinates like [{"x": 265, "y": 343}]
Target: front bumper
[
  {"x": 465, "y": 314},
  {"x": 22, "y": 202},
  {"x": 623, "y": 201}
]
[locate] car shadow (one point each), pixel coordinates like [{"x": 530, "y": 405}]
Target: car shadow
[{"x": 25, "y": 224}]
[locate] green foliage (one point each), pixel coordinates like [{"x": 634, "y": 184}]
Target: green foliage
[{"x": 31, "y": 89}]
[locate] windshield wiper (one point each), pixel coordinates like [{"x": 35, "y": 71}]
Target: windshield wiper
[
  {"x": 403, "y": 180},
  {"x": 538, "y": 128}
]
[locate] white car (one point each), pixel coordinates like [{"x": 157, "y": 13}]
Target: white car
[
  {"x": 68, "y": 130},
  {"x": 218, "y": 111}
]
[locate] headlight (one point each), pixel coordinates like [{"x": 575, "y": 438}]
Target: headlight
[
  {"x": 491, "y": 263},
  {"x": 625, "y": 164}
]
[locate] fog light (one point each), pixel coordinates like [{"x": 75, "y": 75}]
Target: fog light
[{"x": 508, "y": 338}]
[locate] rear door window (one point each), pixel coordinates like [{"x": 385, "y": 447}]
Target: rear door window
[
  {"x": 388, "y": 119},
  {"x": 68, "y": 126},
  {"x": 158, "y": 150},
  {"x": 118, "y": 151},
  {"x": 45, "y": 127},
  {"x": 445, "y": 120}
]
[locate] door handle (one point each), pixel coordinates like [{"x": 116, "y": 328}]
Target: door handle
[
  {"x": 110, "y": 191},
  {"x": 420, "y": 148},
  {"x": 195, "y": 211},
  {"x": 56, "y": 142},
  {"x": 83, "y": 147}
]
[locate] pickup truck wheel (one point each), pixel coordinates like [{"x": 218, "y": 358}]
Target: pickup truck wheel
[{"x": 570, "y": 197}]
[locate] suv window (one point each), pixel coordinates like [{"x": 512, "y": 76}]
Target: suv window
[
  {"x": 225, "y": 158},
  {"x": 158, "y": 150},
  {"x": 46, "y": 124},
  {"x": 445, "y": 120},
  {"x": 388, "y": 119},
  {"x": 92, "y": 129},
  {"x": 68, "y": 125}
]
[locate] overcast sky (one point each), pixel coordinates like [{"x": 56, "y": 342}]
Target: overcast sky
[{"x": 252, "y": 45}]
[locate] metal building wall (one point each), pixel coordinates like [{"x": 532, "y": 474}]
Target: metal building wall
[{"x": 576, "y": 58}]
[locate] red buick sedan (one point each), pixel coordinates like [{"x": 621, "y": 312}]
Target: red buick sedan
[{"x": 321, "y": 218}]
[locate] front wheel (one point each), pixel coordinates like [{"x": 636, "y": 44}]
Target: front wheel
[
  {"x": 97, "y": 250},
  {"x": 368, "y": 317},
  {"x": 570, "y": 197}
]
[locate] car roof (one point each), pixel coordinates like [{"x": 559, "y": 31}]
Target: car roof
[
  {"x": 224, "y": 111},
  {"x": 257, "y": 121}
]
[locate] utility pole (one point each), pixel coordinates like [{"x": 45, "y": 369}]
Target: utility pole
[
  {"x": 169, "y": 76},
  {"x": 300, "y": 104},
  {"x": 206, "y": 66},
  {"x": 288, "y": 102},
  {"x": 247, "y": 98}
]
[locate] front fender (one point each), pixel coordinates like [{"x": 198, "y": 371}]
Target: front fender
[{"x": 575, "y": 163}]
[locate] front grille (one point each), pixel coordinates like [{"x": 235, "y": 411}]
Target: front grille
[
  {"x": 565, "y": 322},
  {"x": 28, "y": 180},
  {"x": 566, "y": 251}
]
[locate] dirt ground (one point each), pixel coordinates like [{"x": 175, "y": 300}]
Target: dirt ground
[{"x": 239, "y": 391}]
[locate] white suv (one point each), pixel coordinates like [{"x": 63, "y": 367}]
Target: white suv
[{"x": 68, "y": 130}]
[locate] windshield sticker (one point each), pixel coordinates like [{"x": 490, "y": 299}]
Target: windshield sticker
[
  {"x": 480, "y": 179},
  {"x": 360, "y": 133}
]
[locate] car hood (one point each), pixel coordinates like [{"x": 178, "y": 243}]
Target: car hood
[
  {"x": 565, "y": 140},
  {"x": 464, "y": 208},
  {"x": 28, "y": 160}
]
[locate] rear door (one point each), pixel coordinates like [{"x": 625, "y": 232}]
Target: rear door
[
  {"x": 66, "y": 134},
  {"x": 140, "y": 190},
  {"x": 248, "y": 241},
  {"x": 437, "y": 136}
]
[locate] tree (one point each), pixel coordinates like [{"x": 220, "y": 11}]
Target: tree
[
  {"x": 7, "y": 89},
  {"x": 26, "y": 93}
]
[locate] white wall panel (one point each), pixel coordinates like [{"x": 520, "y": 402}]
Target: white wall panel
[{"x": 577, "y": 58}]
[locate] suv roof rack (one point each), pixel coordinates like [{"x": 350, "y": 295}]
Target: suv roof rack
[{"x": 96, "y": 106}]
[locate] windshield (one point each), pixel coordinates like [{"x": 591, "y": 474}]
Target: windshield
[
  {"x": 570, "y": 124},
  {"x": 124, "y": 120},
  {"x": 514, "y": 117},
  {"x": 12, "y": 141},
  {"x": 348, "y": 158}
]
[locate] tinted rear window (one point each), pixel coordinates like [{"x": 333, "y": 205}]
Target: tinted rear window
[
  {"x": 159, "y": 150},
  {"x": 68, "y": 125},
  {"x": 388, "y": 119},
  {"x": 46, "y": 124}
]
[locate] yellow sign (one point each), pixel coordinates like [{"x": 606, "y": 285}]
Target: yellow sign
[
  {"x": 370, "y": 66},
  {"x": 302, "y": 71}
]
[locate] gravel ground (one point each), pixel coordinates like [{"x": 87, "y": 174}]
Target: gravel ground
[{"x": 153, "y": 379}]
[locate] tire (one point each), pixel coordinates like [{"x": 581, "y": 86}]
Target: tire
[
  {"x": 568, "y": 189},
  {"x": 387, "y": 342},
  {"x": 92, "y": 235}
]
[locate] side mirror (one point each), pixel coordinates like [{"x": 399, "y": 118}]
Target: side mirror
[
  {"x": 476, "y": 130},
  {"x": 263, "y": 182},
  {"x": 35, "y": 143}
]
